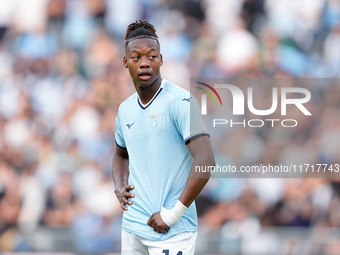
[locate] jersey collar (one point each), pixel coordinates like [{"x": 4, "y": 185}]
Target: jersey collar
[{"x": 144, "y": 106}]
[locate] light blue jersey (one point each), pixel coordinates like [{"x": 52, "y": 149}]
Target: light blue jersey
[{"x": 155, "y": 136}]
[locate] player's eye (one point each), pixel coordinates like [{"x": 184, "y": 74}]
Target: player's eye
[
  {"x": 135, "y": 57},
  {"x": 153, "y": 56}
]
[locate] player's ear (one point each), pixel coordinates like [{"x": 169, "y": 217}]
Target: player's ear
[
  {"x": 161, "y": 59},
  {"x": 125, "y": 62}
]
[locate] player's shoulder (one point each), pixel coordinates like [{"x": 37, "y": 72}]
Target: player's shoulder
[
  {"x": 128, "y": 103},
  {"x": 175, "y": 92}
]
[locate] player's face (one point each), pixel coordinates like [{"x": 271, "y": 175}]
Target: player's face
[{"x": 143, "y": 59}]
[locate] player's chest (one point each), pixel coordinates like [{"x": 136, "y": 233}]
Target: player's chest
[{"x": 147, "y": 122}]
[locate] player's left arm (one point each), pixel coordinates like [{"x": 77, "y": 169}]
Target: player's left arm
[{"x": 202, "y": 153}]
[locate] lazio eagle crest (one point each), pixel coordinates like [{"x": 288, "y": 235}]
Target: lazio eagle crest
[{"x": 154, "y": 118}]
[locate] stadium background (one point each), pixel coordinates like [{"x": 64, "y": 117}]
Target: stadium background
[{"x": 62, "y": 79}]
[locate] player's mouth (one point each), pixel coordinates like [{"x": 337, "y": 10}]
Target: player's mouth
[{"x": 144, "y": 76}]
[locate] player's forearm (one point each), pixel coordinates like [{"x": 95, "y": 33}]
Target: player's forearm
[
  {"x": 192, "y": 188},
  {"x": 120, "y": 171},
  {"x": 194, "y": 184}
]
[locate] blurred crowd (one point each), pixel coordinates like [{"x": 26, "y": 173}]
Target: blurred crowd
[{"x": 62, "y": 80}]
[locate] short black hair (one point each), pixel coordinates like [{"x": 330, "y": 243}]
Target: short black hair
[{"x": 140, "y": 29}]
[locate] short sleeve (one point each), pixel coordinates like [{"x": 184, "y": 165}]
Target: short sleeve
[
  {"x": 119, "y": 137},
  {"x": 187, "y": 117}
]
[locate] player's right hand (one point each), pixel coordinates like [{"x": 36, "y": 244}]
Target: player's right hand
[{"x": 123, "y": 194}]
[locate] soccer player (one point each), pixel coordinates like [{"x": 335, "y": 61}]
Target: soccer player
[{"x": 151, "y": 167}]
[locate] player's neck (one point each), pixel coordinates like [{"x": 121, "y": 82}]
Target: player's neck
[{"x": 146, "y": 93}]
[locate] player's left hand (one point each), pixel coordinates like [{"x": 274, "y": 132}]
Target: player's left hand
[{"x": 157, "y": 223}]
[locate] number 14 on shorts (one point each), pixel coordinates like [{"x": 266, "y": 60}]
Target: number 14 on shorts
[{"x": 166, "y": 252}]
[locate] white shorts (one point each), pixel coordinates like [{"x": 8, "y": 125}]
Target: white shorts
[{"x": 181, "y": 244}]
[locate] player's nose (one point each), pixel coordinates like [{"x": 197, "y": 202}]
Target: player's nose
[{"x": 144, "y": 63}]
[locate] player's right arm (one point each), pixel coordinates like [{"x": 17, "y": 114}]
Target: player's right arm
[{"x": 120, "y": 175}]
